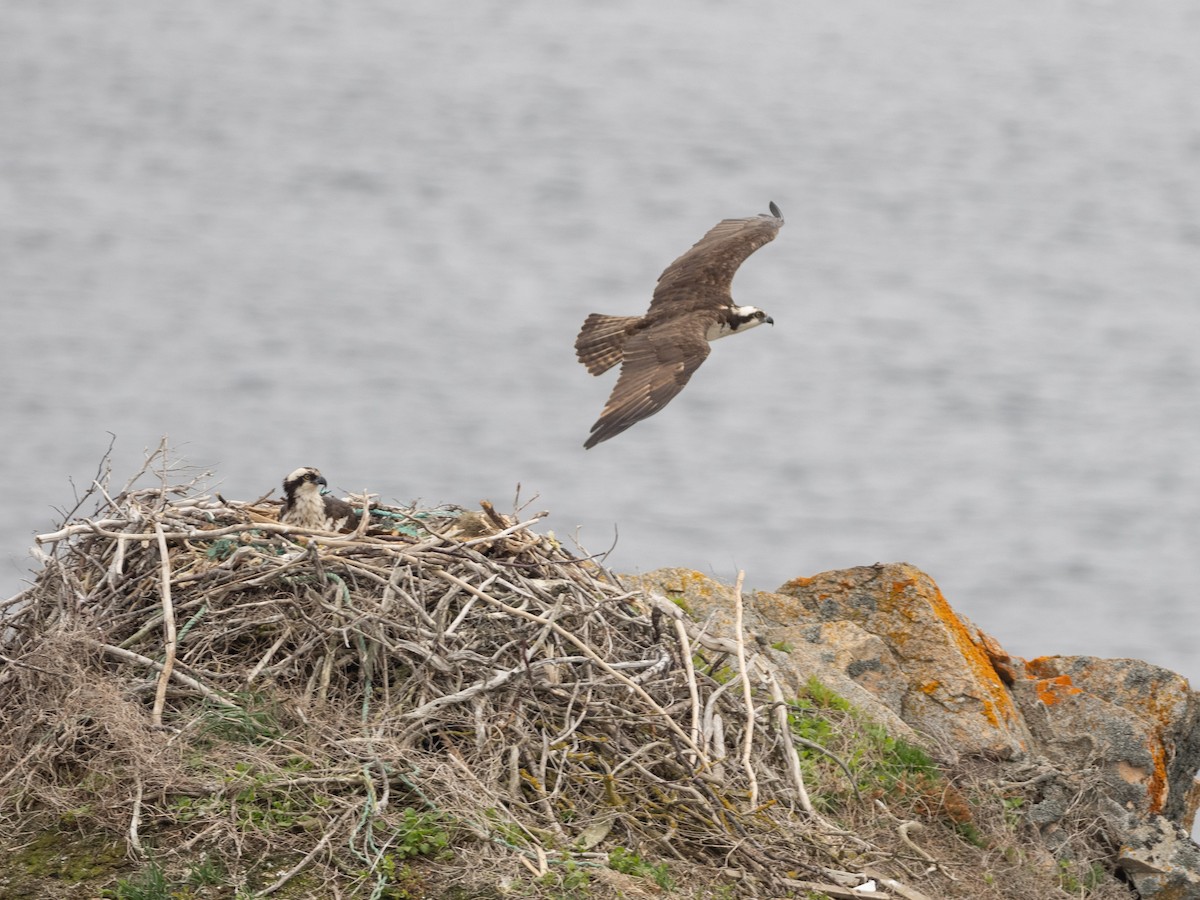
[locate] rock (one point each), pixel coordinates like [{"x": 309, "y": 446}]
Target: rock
[
  {"x": 1156, "y": 855},
  {"x": 1110, "y": 739},
  {"x": 933, "y": 668},
  {"x": 711, "y": 604},
  {"x": 1140, "y": 724}
]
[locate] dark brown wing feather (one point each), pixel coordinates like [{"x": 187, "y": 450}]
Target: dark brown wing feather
[
  {"x": 657, "y": 364},
  {"x": 715, "y": 258},
  {"x": 342, "y": 515},
  {"x": 602, "y": 339}
]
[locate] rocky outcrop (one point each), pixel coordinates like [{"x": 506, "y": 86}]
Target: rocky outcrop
[{"x": 1119, "y": 737}]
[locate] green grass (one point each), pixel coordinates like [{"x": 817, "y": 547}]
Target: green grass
[
  {"x": 150, "y": 884},
  {"x": 568, "y": 882},
  {"x": 251, "y": 722},
  {"x": 629, "y": 863},
  {"x": 208, "y": 871},
  {"x": 422, "y": 834}
]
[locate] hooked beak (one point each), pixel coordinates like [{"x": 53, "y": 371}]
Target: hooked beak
[{"x": 769, "y": 320}]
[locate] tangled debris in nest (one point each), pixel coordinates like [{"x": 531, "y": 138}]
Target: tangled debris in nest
[{"x": 324, "y": 708}]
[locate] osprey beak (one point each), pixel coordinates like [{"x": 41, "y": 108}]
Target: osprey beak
[{"x": 769, "y": 320}]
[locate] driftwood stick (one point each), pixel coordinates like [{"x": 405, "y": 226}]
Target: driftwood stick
[
  {"x": 364, "y": 518},
  {"x": 789, "y": 749},
  {"x": 747, "y": 692},
  {"x": 689, "y": 670},
  {"x": 160, "y": 695},
  {"x": 135, "y": 821}
]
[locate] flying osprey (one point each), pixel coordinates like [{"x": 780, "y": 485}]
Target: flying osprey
[
  {"x": 692, "y": 305},
  {"x": 305, "y": 506}
]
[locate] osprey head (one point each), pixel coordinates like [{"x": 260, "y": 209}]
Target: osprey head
[
  {"x": 751, "y": 316},
  {"x": 305, "y": 479},
  {"x": 737, "y": 319},
  {"x": 754, "y": 316}
]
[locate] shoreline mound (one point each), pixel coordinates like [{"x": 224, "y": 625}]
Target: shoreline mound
[{"x": 200, "y": 702}]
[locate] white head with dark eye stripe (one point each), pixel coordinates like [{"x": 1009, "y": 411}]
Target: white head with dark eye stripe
[
  {"x": 749, "y": 316},
  {"x": 738, "y": 318},
  {"x": 305, "y": 480},
  {"x": 303, "y": 504}
]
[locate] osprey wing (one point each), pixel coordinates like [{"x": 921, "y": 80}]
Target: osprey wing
[
  {"x": 341, "y": 515},
  {"x": 658, "y": 363},
  {"x": 713, "y": 260}
]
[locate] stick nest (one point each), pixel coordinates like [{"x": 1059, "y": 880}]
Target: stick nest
[{"x": 185, "y": 671}]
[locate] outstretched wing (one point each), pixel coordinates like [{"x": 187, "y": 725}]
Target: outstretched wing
[
  {"x": 656, "y": 367},
  {"x": 713, "y": 260}
]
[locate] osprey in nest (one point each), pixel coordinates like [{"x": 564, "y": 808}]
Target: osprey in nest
[
  {"x": 306, "y": 507},
  {"x": 692, "y": 306}
]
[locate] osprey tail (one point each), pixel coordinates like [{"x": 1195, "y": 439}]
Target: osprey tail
[{"x": 601, "y": 341}]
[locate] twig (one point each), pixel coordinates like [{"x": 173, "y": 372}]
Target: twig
[
  {"x": 834, "y": 890},
  {"x": 160, "y": 696},
  {"x": 311, "y": 855},
  {"x": 896, "y": 887},
  {"x": 135, "y": 820},
  {"x": 689, "y": 671},
  {"x": 130, "y": 656},
  {"x": 913, "y": 825},
  {"x": 747, "y": 692},
  {"x": 789, "y": 750},
  {"x": 25, "y": 665},
  {"x": 512, "y": 529}
]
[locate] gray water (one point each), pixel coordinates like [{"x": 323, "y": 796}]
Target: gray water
[{"x": 363, "y": 236}]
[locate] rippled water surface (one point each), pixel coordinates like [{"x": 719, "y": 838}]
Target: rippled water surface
[{"x": 363, "y": 236}]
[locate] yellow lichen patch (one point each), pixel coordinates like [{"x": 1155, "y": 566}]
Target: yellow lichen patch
[
  {"x": 929, "y": 687},
  {"x": 697, "y": 581}
]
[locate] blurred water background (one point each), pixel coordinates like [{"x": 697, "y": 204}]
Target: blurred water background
[{"x": 363, "y": 236}]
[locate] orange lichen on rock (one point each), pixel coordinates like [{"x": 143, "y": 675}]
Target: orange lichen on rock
[
  {"x": 1051, "y": 690},
  {"x": 998, "y": 706},
  {"x": 1042, "y": 667},
  {"x": 1160, "y": 783},
  {"x": 1000, "y": 660},
  {"x": 802, "y": 581}
]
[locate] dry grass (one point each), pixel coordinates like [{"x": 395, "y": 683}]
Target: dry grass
[{"x": 442, "y": 693}]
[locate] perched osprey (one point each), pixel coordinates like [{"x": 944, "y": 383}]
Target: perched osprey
[
  {"x": 692, "y": 305},
  {"x": 305, "y": 506}
]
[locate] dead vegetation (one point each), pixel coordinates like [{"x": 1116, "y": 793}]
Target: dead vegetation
[{"x": 443, "y": 698}]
